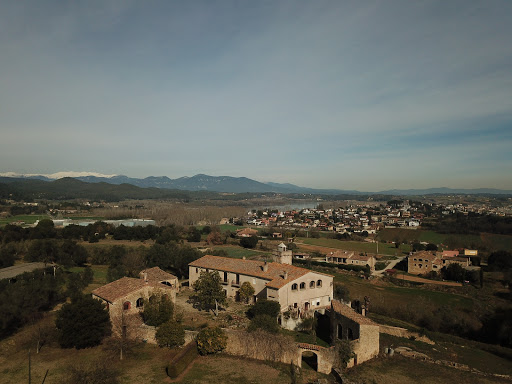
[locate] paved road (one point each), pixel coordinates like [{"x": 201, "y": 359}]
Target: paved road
[{"x": 389, "y": 266}]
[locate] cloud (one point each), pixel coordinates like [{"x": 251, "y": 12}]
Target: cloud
[{"x": 268, "y": 90}]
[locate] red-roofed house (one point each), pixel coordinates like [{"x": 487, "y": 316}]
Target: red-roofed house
[{"x": 291, "y": 286}]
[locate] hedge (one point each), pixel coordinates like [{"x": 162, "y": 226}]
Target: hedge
[{"x": 182, "y": 360}]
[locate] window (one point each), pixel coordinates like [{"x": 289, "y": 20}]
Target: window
[
  {"x": 140, "y": 302},
  {"x": 311, "y": 284},
  {"x": 127, "y": 305},
  {"x": 319, "y": 283},
  {"x": 302, "y": 285},
  {"x": 294, "y": 287},
  {"x": 225, "y": 277},
  {"x": 197, "y": 270}
]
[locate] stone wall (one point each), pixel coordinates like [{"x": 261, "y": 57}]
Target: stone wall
[
  {"x": 261, "y": 345},
  {"x": 402, "y": 332}
]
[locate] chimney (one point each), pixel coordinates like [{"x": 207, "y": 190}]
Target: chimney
[
  {"x": 243, "y": 258},
  {"x": 265, "y": 267},
  {"x": 285, "y": 275},
  {"x": 145, "y": 277}
]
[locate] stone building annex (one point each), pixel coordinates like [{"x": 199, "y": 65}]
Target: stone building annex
[{"x": 125, "y": 297}]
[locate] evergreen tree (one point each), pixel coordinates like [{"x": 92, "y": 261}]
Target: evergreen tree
[{"x": 82, "y": 323}]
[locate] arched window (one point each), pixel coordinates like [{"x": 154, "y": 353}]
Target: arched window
[
  {"x": 302, "y": 285},
  {"x": 127, "y": 305},
  {"x": 140, "y": 302},
  {"x": 311, "y": 284},
  {"x": 319, "y": 283},
  {"x": 294, "y": 287}
]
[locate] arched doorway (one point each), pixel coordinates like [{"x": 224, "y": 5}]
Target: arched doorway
[{"x": 311, "y": 360}]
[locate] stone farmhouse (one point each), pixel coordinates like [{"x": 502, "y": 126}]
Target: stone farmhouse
[
  {"x": 362, "y": 332},
  {"x": 424, "y": 262},
  {"x": 295, "y": 289},
  {"x": 125, "y": 297},
  {"x": 350, "y": 258}
]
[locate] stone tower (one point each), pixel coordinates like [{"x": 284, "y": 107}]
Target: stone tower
[{"x": 282, "y": 255}]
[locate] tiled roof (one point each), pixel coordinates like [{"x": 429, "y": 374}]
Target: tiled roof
[
  {"x": 275, "y": 271},
  {"x": 362, "y": 258},
  {"x": 155, "y": 274},
  {"x": 119, "y": 288},
  {"x": 349, "y": 313}
]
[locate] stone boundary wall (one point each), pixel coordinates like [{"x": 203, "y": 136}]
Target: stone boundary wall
[
  {"x": 147, "y": 333},
  {"x": 405, "y": 333}
]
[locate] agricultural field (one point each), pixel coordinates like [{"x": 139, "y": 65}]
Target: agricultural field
[
  {"x": 356, "y": 246},
  {"x": 484, "y": 240}
]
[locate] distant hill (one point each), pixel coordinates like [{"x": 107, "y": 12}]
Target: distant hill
[
  {"x": 231, "y": 184},
  {"x": 68, "y": 188}
]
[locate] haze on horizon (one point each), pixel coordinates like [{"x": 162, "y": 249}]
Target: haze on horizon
[{"x": 351, "y": 95}]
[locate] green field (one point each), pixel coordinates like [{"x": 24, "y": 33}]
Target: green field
[
  {"x": 358, "y": 246},
  {"x": 28, "y": 219}
]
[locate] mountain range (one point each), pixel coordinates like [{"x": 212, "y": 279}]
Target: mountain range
[{"x": 228, "y": 184}]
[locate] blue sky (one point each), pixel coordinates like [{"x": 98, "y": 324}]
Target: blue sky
[{"x": 344, "y": 94}]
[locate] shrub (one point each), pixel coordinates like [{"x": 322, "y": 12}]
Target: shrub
[
  {"x": 265, "y": 307},
  {"x": 211, "y": 340},
  {"x": 182, "y": 360},
  {"x": 264, "y": 322},
  {"x": 94, "y": 374}
]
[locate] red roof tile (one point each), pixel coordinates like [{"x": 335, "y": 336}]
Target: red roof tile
[
  {"x": 275, "y": 271},
  {"x": 156, "y": 274},
  {"x": 119, "y": 288}
]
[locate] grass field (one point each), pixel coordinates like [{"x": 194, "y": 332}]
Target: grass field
[
  {"x": 401, "y": 370},
  {"x": 28, "y": 219},
  {"x": 358, "y": 246}
]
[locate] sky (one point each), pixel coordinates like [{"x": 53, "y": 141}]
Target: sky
[{"x": 366, "y": 95}]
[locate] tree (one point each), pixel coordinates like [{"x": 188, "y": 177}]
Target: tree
[
  {"x": 170, "y": 334},
  {"x": 211, "y": 340},
  {"x": 500, "y": 261},
  {"x": 249, "y": 242},
  {"x": 431, "y": 247},
  {"x": 82, "y": 323},
  {"x": 454, "y": 272},
  {"x": 341, "y": 292},
  {"x": 157, "y": 310},
  {"x": 8, "y": 254},
  {"x": 246, "y": 292},
  {"x": 209, "y": 292}
]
